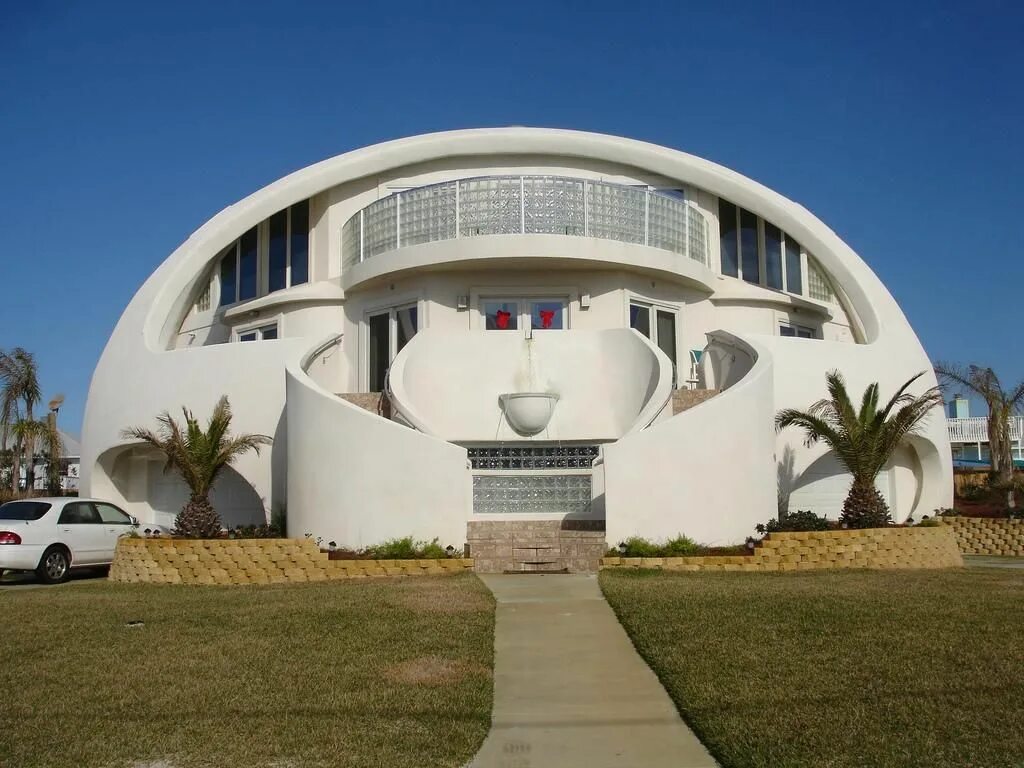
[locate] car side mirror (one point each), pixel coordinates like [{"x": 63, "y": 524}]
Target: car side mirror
[{"x": 135, "y": 520}]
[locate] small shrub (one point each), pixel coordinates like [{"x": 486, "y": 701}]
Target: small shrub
[
  {"x": 636, "y": 546},
  {"x": 929, "y": 522},
  {"x": 406, "y": 549},
  {"x": 801, "y": 520},
  {"x": 947, "y": 512},
  {"x": 1017, "y": 513},
  {"x": 975, "y": 492},
  {"x": 680, "y": 546}
]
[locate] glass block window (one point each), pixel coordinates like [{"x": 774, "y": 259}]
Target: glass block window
[
  {"x": 532, "y": 494},
  {"x": 380, "y": 222},
  {"x": 817, "y": 284},
  {"x": 533, "y": 457},
  {"x": 667, "y": 224},
  {"x": 617, "y": 212},
  {"x": 350, "y": 238},
  {"x": 697, "y": 235},
  {"x": 427, "y": 214},
  {"x": 490, "y": 206},
  {"x": 553, "y": 205}
]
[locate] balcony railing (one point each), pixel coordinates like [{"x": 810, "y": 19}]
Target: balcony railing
[
  {"x": 498, "y": 205},
  {"x": 975, "y": 429}
]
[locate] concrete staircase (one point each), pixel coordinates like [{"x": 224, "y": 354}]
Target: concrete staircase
[
  {"x": 536, "y": 546},
  {"x": 374, "y": 402}
]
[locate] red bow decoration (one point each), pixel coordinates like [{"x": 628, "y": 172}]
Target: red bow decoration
[
  {"x": 501, "y": 319},
  {"x": 546, "y": 317}
]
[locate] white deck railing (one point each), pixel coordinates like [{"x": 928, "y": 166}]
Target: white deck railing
[{"x": 975, "y": 429}]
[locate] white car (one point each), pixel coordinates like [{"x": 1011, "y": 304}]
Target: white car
[{"x": 53, "y": 535}]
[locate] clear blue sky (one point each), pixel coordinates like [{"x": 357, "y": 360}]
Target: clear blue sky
[{"x": 124, "y": 126}]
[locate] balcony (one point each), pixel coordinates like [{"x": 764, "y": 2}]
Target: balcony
[
  {"x": 975, "y": 429},
  {"x": 511, "y": 205}
]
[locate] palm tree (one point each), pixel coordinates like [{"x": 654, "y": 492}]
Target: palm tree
[
  {"x": 19, "y": 379},
  {"x": 863, "y": 440},
  {"x": 1002, "y": 404},
  {"x": 199, "y": 456}
]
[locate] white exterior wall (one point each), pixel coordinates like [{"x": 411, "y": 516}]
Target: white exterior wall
[{"x": 165, "y": 353}]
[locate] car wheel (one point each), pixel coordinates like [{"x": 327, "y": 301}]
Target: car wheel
[{"x": 54, "y": 566}]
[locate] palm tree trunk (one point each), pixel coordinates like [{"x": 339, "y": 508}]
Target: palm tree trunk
[{"x": 30, "y": 455}]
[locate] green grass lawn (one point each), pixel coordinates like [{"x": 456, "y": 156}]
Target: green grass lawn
[
  {"x": 368, "y": 673},
  {"x": 862, "y": 668}
]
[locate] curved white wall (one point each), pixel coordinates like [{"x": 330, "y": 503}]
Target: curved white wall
[{"x": 358, "y": 479}]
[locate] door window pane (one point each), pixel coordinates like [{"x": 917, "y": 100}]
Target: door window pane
[
  {"x": 248, "y": 266},
  {"x": 379, "y": 350},
  {"x": 667, "y": 337},
  {"x": 787, "y": 330},
  {"x": 228, "y": 275},
  {"x": 547, "y": 315},
  {"x": 727, "y": 225},
  {"x": 501, "y": 315},
  {"x": 794, "y": 273},
  {"x": 300, "y": 243},
  {"x": 269, "y": 332},
  {"x": 247, "y": 336},
  {"x": 773, "y": 256},
  {"x": 113, "y": 515},
  {"x": 406, "y": 327},
  {"x": 748, "y": 247},
  {"x": 278, "y": 252},
  {"x": 640, "y": 319}
]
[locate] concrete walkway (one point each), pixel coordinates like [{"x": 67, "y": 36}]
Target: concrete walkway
[
  {"x": 992, "y": 561},
  {"x": 569, "y": 688}
]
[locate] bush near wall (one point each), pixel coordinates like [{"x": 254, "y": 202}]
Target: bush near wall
[
  {"x": 987, "y": 535},
  {"x": 888, "y": 548},
  {"x": 254, "y": 561}
]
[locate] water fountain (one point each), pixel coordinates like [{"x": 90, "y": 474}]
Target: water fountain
[{"x": 529, "y": 411}]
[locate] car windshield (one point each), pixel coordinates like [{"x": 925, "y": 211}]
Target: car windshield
[{"x": 23, "y": 510}]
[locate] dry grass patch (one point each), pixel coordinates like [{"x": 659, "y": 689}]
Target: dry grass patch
[
  {"x": 431, "y": 596},
  {"x": 294, "y": 675},
  {"x": 837, "y": 669}
]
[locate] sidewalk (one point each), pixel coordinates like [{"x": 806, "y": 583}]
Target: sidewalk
[{"x": 570, "y": 690}]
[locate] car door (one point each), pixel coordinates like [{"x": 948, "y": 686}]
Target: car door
[
  {"x": 80, "y": 527},
  {"x": 116, "y": 524}
]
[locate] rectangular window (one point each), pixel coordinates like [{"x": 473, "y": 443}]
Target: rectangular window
[
  {"x": 547, "y": 315},
  {"x": 727, "y": 225},
  {"x": 796, "y": 331},
  {"x": 268, "y": 333},
  {"x": 263, "y": 333},
  {"x": 794, "y": 271},
  {"x": 248, "y": 265},
  {"x": 229, "y": 276},
  {"x": 666, "y": 333},
  {"x": 640, "y": 319},
  {"x": 405, "y": 326},
  {"x": 773, "y": 256},
  {"x": 300, "y": 243},
  {"x": 379, "y": 350},
  {"x": 277, "y": 276},
  {"x": 247, "y": 336},
  {"x": 501, "y": 315},
  {"x": 750, "y": 262}
]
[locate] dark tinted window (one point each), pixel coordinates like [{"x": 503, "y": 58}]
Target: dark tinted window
[
  {"x": 79, "y": 512},
  {"x": 228, "y": 273},
  {"x": 300, "y": 243},
  {"x": 748, "y": 247},
  {"x": 278, "y": 256},
  {"x": 640, "y": 319},
  {"x": 773, "y": 256},
  {"x": 24, "y": 510},
  {"x": 248, "y": 266},
  {"x": 794, "y": 275},
  {"x": 727, "y": 224}
]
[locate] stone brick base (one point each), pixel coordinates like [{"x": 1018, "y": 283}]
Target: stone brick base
[
  {"x": 987, "y": 536},
  {"x": 536, "y": 545}
]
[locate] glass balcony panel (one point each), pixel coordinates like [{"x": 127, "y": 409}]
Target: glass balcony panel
[
  {"x": 380, "y": 227},
  {"x": 428, "y": 214},
  {"x": 553, "y": 205},
  {"x": 490, "y": 206},
  {"x": 667, "y": 224},
  {"x": 617, "y": 212}
]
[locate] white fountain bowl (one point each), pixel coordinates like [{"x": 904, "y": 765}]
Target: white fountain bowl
[{"x": 528, "y": 412}]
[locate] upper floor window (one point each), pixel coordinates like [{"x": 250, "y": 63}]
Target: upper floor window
[
  {"x": 537, "y": 314},
  {"x": 758, "y": 251},
  {"x": 262, "y": 333},
  {"x": 271, "y": 256},
  {"x": 796, "y": 331}
]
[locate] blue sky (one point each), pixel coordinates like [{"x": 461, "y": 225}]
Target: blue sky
[{"x": 124, "y": 126}]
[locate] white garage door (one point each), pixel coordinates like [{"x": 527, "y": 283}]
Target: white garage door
[{"x": 823, "y": 488}]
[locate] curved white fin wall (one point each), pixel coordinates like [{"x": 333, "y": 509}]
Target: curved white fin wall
[
  {"x": 357, "y": 479},
  {"x": 708, "y": 472},
  {"x": 609, "y": 382}
]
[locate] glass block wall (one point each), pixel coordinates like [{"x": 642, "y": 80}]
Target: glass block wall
[
  {"x": 496, "y": 205},
  {"x": 532, "y": 479},
  {"x": 532, "y": 494},
  {"x": 817, "y": 284}
]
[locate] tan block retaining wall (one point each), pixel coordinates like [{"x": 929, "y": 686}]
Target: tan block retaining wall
[
  {"x": 873, "y": 548},
  {"x": 253, "y": 561},
  {"x": 987, "y": 536}
]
